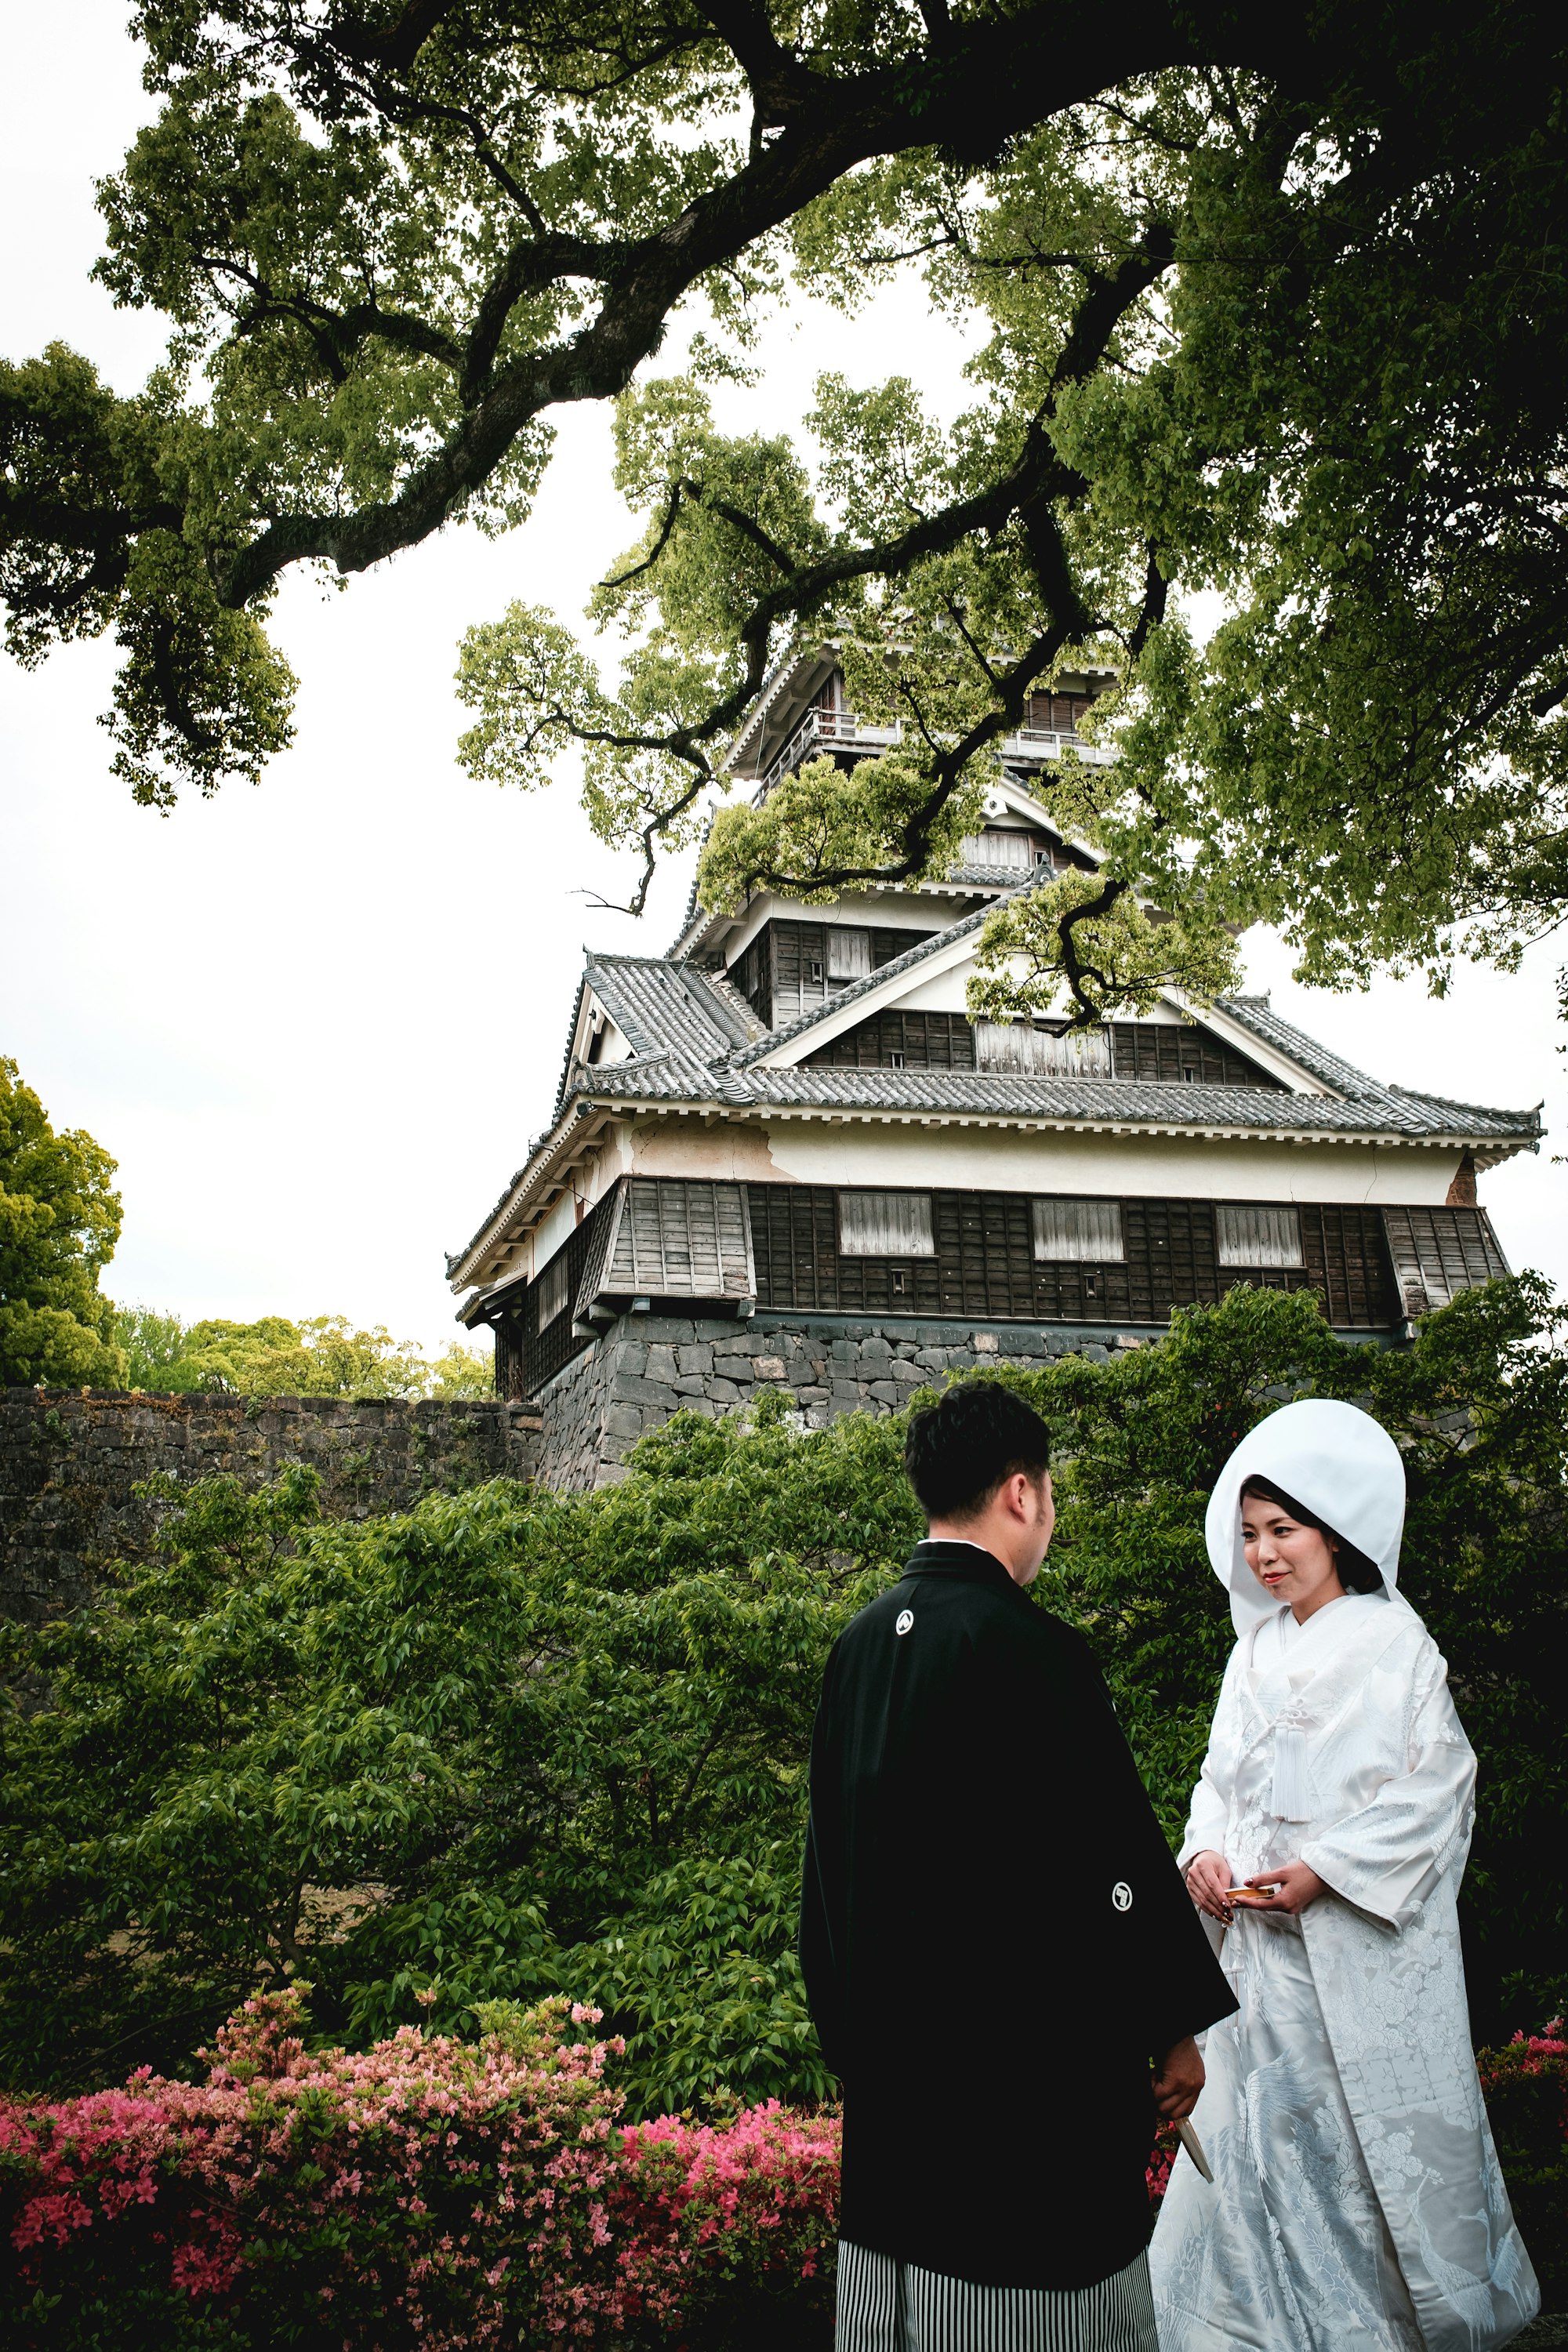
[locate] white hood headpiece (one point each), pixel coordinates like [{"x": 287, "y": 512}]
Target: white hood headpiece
[{"x": 1333, "y": 1459}]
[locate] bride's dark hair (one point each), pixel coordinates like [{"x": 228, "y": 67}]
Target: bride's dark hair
[{"x": 1356, "y": 1572}]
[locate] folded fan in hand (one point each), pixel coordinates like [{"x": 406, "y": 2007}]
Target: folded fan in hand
[{"x": 1193, "y": 2147}]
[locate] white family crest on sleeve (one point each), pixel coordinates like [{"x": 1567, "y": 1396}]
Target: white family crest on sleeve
[
  {"x": 1121, "y": 1895},
  {"x": 906, "y": 1618}
]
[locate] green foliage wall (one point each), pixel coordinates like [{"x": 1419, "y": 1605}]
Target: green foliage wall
[{"x": 511, "y": 1742}]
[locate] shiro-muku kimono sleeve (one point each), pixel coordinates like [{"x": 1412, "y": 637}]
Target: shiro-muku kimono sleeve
[
  {"x": 1388, "y": 1855},
  {"x": 1208, "y": 1816}
]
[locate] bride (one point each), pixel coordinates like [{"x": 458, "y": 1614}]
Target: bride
[{"x": 1356, "y": 2200}]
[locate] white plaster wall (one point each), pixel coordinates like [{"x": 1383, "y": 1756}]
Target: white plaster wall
[
  {"x": 943, "y": 993},
  {"x": 1173, "y": 1167},
  {"x": 725, "y": 1152},
  {"x": 588, "y": 1182},
  {"x": 551, "y": 1234}
]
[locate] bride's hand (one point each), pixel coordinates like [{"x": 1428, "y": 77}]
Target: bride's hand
[
  {"x": 1290, "y": 1887},
  {"x": 1208, "y": 1876}
]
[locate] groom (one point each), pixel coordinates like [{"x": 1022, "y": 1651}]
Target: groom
[{"x": 1002, "y": 1961}]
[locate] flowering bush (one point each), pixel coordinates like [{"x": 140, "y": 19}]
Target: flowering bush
[
  {"x": 1161, "y": 2157},
  {"x": 746, "y": 2215},
  {"x": 426, "y": 2192},
  {"x": 1526, "y": 2087}
]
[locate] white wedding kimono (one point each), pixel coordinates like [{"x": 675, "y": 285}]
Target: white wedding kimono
[{"x": 1357, "y": 2199}]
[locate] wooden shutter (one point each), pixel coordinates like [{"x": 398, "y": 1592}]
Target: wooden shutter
[
  {"x": 1438, "y": 1253},
  {"x": 1020, "y": 1046},
  {"x": 679, "y": 1239}
]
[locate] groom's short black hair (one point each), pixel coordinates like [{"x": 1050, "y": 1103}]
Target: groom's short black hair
[{"x": 960, "y": 1449}]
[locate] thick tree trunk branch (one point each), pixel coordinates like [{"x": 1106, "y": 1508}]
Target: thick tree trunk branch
[{"x": 1005, "y": 76}]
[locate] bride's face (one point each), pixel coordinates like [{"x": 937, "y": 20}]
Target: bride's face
[{"x": 1291, "y": 1562}]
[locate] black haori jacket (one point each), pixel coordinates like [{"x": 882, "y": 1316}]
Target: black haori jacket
[{"x": 996, "y": 1939}]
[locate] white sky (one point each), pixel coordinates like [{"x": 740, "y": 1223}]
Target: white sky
[{"x": 317, "y": 1022}]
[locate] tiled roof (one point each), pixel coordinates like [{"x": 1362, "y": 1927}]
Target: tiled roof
[
  {"x": 695, "y": 1041},
  {"x": 1253, "y": 1012},
  {"x": 1121, "y": 1102},
  {"x": 658, "y": 1005}
]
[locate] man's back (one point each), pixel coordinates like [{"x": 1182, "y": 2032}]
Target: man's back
[{"x": 994, "y": 1937}]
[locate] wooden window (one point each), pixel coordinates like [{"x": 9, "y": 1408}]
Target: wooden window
[
  {"x": 887, "y": 946},
  {"x": 753, "y": 975},
  {"x": 849, "y": 952},
  {"x": 898, "y": 1041},
  {"x": 1348, "y": 1265},
  {"x": 1020, "y": 1046},
  {"x": 1058, "y": 713},
  {"x": 1168, "y": 1052},
  {"x": 1087, "y": 1231},
  {"x": 985, "y": 1263},
  {"x": 554, "y": 1290},
  {"x": 1002, "y": 845},
  {"x": 885, "y": 1224},
  {"x": 1258, "y": 1236}
]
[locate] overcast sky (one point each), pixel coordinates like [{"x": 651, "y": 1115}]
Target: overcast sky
[{"x": 317, "y": 1022}]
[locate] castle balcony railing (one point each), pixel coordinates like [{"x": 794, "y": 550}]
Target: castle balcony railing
[
  {"x": 1049, "y": 743},
  {"x": 842, "y": 730},
  {"x": 839, "y": 730}
]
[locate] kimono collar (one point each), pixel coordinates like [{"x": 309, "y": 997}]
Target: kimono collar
[{"x": 968, "y": 1563}]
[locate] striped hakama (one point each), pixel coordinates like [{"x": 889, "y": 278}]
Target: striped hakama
[{"x": 886, "y": 2305}]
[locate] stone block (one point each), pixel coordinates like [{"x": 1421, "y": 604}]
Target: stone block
[
  {"x": 697, "y": 1358},
  {"x": 876, "y": 1351},
  {"x": 769, "y": 1368},
  {"x": 629, "y": 1388},
  {"x": 661, "y": 1364},
  {"x": 811, "y": 1395},
  {"x": 630, "y": 1355},
  {"x": 722, "y": 1392},
  {"x": 910, "y": 1375},
  {"x": 885, "y": 1392},
  {"x": 983, "y": 1343}
]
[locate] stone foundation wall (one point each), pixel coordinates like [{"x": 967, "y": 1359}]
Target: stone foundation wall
[
  {"x": 69, "y": 1460},
  {"x": 647, "y": 1367}
]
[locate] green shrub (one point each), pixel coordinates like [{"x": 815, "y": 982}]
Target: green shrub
[{"x": 511, "y": 1744}]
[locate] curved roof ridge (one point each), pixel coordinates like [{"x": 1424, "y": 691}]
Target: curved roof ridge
[{"x": 1451, "y": 1102}]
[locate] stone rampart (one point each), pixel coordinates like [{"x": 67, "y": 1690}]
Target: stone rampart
[
  {"x": 69, "y": 1460},
  {"x": 647, "y": 1367}
]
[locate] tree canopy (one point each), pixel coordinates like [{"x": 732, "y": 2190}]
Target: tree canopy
[
  {"x": 1272, "y": 304},
  {"x": 59, "y": 1220},
  {"x": 321, "y": 1356}
]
